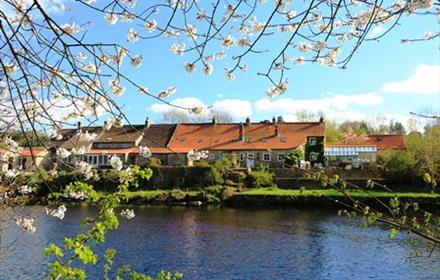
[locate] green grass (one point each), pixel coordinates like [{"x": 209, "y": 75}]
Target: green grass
[{"x": 334, "y": 193}]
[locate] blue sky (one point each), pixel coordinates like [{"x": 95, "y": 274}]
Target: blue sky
[{"x": 382, "y": 79}]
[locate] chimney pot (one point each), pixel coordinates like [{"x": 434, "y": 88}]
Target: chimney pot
[
  {"x": 274, "y": 120},
  {"x": 241, "y": 132},
  {"x": 214, "y": 120},
  {"x": 248, "y": 121},
  {"x": 321, "y": 119},
  {"x": 277, "y": 131},
  {"x": 79, "y": 125},
  {"x": 147, "y": 122}
]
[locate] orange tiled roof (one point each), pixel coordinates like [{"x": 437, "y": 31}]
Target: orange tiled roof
[
  {"x": 257, "y": 136},
  {"x": 27, "y": 152},
  {"x": 387, "y": 141}
]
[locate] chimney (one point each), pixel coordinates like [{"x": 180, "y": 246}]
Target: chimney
[
  {"x": 241, "y": 132},
  {"x": 147, "y": 122},
  {"x": 321, "y": 119},
  {"x": 248, "y": 121},
  {"x": 274, "y": 120},
  {"x": 79, "y": 126},
  {"x": 277, "y": 131},
  {"x": 214, "y": 120}
]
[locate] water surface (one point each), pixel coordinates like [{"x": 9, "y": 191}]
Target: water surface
[{"x": 229, "y": 244}]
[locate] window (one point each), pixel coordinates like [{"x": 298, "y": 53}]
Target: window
[
  {"x": 263, "y": 140},
  {"x": 241, "y": 156},
  {"x": 248, "y": 140},
  {"x": 312, "y": 141},
  {"x": 181, "y": 140},
  {"x": 280, "y": 156},
  {"x": 250, "y": 155},
  {"x": 266, "y": 157},
  {"x": 212, "y": 156},
  {"x": 283, "y": 139}
]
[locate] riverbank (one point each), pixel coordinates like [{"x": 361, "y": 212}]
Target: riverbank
[{"x": 234, "y": 197}]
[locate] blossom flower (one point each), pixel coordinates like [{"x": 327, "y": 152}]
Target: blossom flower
[
  {"x": 26, "y": 223},
  {"x": 70, "y": 28},
  {"x": 228, "y": 41},
  {"x": 291, "y": 14},
  {"x": 243, "y": 68},
  {"x": 208, "y": 68},
  {"x": 197, "y": 110},
  {"x": 86, "y": 136},
  {"x": 178, "y": 48},
  {"x": 116, "y": 162},
  {"x": 11, "y": 173},
  {"x": 150, "y": 26},
  {"x": 116, "y": 88},
  {"x": 304, "y": 47},
  {"x": 58, "y": 212},
  {"x": 85, "y": 169},
  {"x": 319, "y": 45},
  {"x": 10, "y": 69},
  {"x": 127, "y": 17},
  {"x": 79, "y": 151},
  {"x": 132, "y": 35},
  {"x": 169, "y": 91},
  {"x": 25, "y": 189},
  {"x": 111, "y": 18},
  {"x": 136, "y": 61},
  {"x": 191, "y": 31},
  {"x": 190, "y": 67},
  {"x": 298, "y": 60},
  {"x": 220, "y": 55},
  {"x": 144, "y": 152},
  {"x": 81, "y": 56},
  {"x": 127, "y": 213},
  {"x": 130, "y": 3},
  {"x": 201, "y": 15},
  {"x": 89, "y": 68},
  {"x": 195, "y": 155},
  {"x": 77, "y": 195},
  {"x": 230, "y": 76},
  {"x": 243, "y": 42}
]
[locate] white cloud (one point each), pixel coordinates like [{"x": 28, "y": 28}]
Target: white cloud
[
  {"x": 327, "y": 104},
  {"x": 377, "y": 30},
  {"x": 236, "y": 107},
  {"x": 424, "y": 80}
]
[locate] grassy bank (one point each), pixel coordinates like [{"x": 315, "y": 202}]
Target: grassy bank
[{"x": 334, "y": 193}]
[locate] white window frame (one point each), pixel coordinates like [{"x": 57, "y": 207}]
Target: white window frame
[
  {"x": 313, "y": 141},
  {"x": 278, "y": 157},
  {"x": 269, "y": 158},
  {"x": 241, "y": 156},
  {"x": 250, "y": 156}
]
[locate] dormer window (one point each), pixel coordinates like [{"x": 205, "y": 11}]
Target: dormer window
[
  {"x": 248, "y": 140},
  {"x": 312, "y": 141},
  {"x": 283, "y": 139},
  {"x": 181, "y": 140},
  {"x": 263, "y": 140}
]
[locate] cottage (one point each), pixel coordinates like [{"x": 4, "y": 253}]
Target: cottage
[{"x": 253, "y": 143}]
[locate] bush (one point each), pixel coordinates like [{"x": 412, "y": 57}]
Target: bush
[
  {"x": 398, "y": 166},
  {"x": 293, "y": 158},
  {"x": 262, "y": 178},
  {"x": 153, "y": 162}
]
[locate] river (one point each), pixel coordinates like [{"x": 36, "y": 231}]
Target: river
[{"x": 225, "y": 243}]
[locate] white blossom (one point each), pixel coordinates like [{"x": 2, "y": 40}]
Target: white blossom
[
  {"x": 195, "y": 155},
  {"x": 116, "y": 88},
  {"x": 228, "y": 41},
  {"x": 77, "y": 195},
  {"x": 86, "y": 136},
  {"x": 132, "y": 35},
  {"x": 79, "y": 151},
  {"x": 12, "y": 173},
  {"x": 208, "y": 68},
  {"x": 58, "y": 212},
  {"x": 190, "y": 67},
  {"x": 169, "y": 91},
  {"x": 116, "y": 162},
  {"x": 298, "y": 60},
  {"x": 136, "y": 61},
  {"x": 144, "y": 152},
  {"x": 111, "y": 18},
  {"x": 85, "y": 169},
  {"x": 70, "y": 28},
  {"x": 25, "y": 189},
  {"x": 304, "y": 47},
  {"x": 127, "y": 213},
  {"x": 150, "y": 26},
  {"x": 178, "y": 48},
  {"x": 26, "y": 223},
  {"x": 230, "y": 76},
  {"x": 10, "y": 69}
]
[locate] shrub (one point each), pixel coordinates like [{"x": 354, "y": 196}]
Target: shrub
[
  {"x": 294, "y": 158},
  {"x": 153, "y": 162},
  {"x": 262, "y": 178},
  {"x": 398, "y": 166}
]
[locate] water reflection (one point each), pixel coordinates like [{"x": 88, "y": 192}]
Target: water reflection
[{"x": 231, "y": 244}]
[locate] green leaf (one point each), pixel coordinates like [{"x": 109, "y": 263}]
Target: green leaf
[{"x": 393, "y": 233}]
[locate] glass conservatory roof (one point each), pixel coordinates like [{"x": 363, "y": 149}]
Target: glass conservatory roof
[{"x": 348, "y": 150}]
